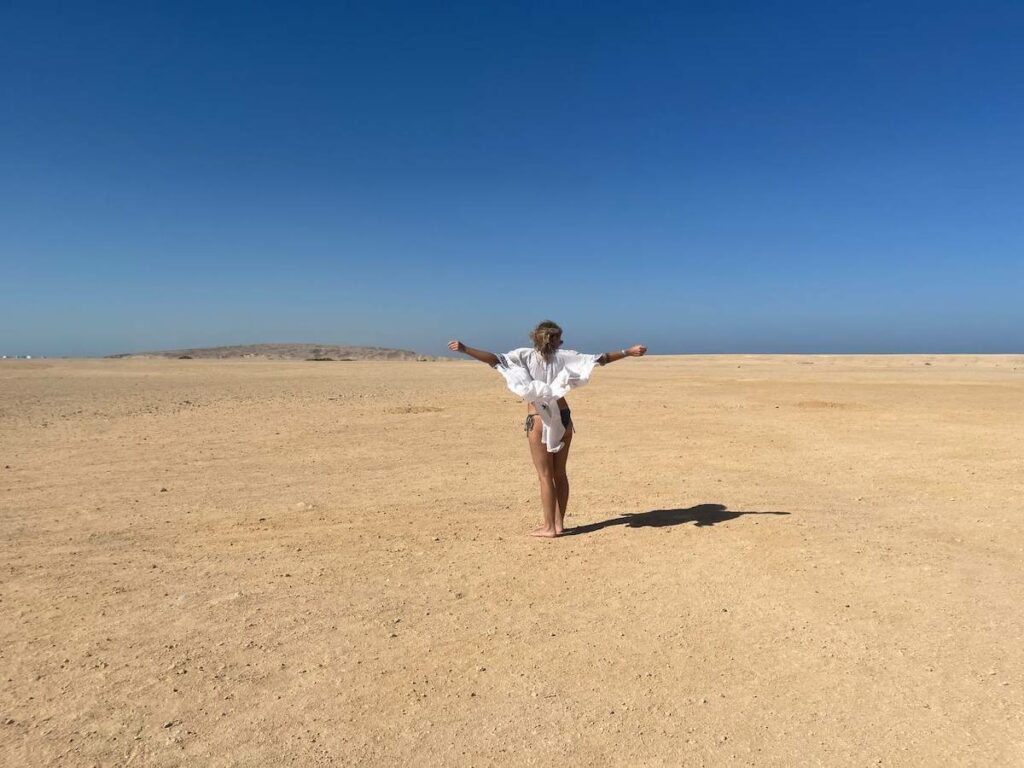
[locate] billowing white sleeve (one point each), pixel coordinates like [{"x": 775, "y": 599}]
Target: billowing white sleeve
[
  {"x": 578, "y": 365},
  {"x": 515, "y": 358},
  {"x": 512, "y": 367}
]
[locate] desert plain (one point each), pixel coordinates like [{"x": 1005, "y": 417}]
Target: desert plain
[{"x": 771, "y": 561}]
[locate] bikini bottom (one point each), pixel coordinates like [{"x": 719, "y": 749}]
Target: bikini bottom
[{"x": 565, "y": 413}]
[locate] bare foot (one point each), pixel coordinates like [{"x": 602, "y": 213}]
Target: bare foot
[{"x": 544, "y": 532}]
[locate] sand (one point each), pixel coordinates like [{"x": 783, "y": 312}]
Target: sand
[{"x": 776, "y": 561}]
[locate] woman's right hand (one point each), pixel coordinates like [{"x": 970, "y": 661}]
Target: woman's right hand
[{"x": 456, "y": 346}]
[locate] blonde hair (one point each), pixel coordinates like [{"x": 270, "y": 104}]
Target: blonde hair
[{"x": 544, "y": 337}]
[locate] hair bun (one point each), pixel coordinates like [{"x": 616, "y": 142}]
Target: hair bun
[{"x": 544, "y": 337}]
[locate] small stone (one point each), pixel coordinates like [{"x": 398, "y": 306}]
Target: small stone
[
  {"x": 169, "y": 724},
  {"x": 163, "y": 490}
]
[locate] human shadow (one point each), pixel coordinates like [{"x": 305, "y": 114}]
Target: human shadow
[{"x": 701, "y": 516}]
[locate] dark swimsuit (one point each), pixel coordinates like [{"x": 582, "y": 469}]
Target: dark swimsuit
[{"x": 565, "y": 413}]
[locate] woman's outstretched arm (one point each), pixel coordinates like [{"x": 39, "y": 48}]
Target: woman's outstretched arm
[
  {"x": 479, "y": 354},
  {"x": 637, "y": 350}
]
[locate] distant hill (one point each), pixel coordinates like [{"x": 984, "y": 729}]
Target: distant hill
[{"x": 285, "y": 352}]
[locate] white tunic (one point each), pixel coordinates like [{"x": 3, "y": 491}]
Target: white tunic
[{"x": 543, "y": 380}]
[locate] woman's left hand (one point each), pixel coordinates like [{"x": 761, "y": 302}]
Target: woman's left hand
[{"x": 637, "y": 350}]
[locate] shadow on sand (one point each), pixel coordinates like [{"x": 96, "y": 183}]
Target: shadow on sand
[{"x": 700, "y": 515}]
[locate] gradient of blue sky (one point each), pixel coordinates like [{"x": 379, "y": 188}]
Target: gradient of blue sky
[{"x": 704, "y": 177}]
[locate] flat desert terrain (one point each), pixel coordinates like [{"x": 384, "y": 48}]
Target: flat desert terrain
[{"x": 773, "y": 561}]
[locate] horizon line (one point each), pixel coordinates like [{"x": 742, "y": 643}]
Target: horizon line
[{"x": 959, "y": 353}]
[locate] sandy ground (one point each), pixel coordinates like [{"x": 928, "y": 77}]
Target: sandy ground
[{"x": 776, "y": 561}]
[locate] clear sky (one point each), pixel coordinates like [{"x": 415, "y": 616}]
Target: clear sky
[{"x": 702, "y": 177}]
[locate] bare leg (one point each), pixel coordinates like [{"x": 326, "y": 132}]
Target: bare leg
[
  {"x": 544, "y": 463},
  {"x": 562, "y": 482}
]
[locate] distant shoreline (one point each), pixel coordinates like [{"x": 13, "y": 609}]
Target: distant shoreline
[
  {"x": 416, "y": 357},
  {"x": 287, "y": 351}
]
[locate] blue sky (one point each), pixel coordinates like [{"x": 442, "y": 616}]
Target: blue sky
[{"x": 702, "y": 177}]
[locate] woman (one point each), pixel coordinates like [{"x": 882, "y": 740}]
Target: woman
[{"x": 542, "y": 376}]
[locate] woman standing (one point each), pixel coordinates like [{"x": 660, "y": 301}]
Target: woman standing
[{"x": 542, "y": 375}]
